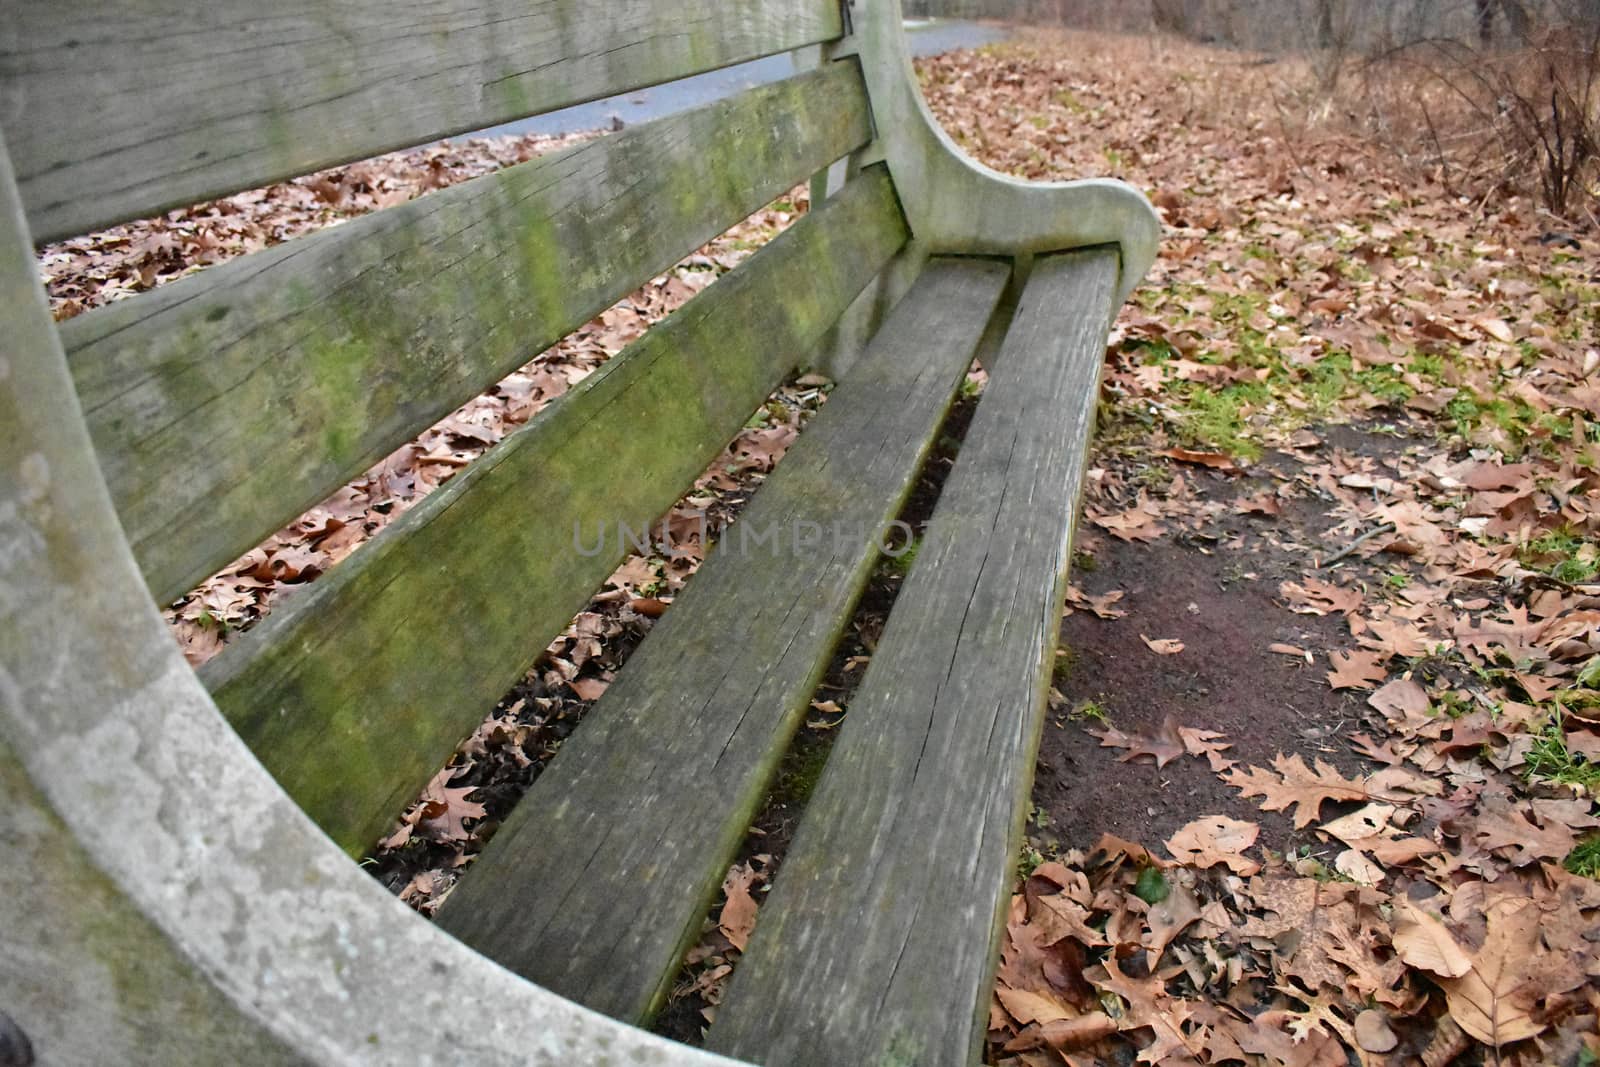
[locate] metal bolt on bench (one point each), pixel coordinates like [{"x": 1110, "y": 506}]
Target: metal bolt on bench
[{"x": 177, "y": 885}]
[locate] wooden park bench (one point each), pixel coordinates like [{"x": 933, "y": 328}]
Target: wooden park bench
[{"x": 177, "y": 884}]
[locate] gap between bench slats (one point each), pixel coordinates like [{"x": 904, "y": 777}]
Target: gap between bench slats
[
  {"x": 599, "y": 881},
  {"x": 877, "y": 944},
  {"x": 117, "y": 110},
  {"x": 354, "y": 692},
  {"x": 224, "y": 405}
]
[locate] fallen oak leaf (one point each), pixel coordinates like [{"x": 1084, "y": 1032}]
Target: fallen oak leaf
[
  {"x": 1320, "y": 598},
  {"x": 1166, "y": 746},
  {"x": 738, "y": 917},
  {"x": 1114, "y": 847},
  {"x": 1216, "y": 840},
  {"x": 1498, "y": 1000},
  {"x": 1163, "y": 646},
  {"x": 1425, "y": 943},
  {"x": 1356, "y": 670},
  {"x": 1028, "y": 1006},
  {"x": 1150, "y": 1006},
  {"x": 1166, "y": 919},
  {"x": 1262, "y": 503},
  {"x": 1138, "y": 523},
  {"x": 1204, "y": 743},
  {"x": 1491, "y": 476},
  {"x": 1403, "y": 703},
  {"x": 1358, "y": 868},
  {"x": 1064, "y": 1035},
  {"x": 589, "y": 688},
  {"x": 1057, "y": 916},
  {"x": 1499, "y": 329},
  {"x": 1102, "y": 605},
  {"x": 443, "y": 810},
  {"x": 1500, "y": 824},
  {"x": 1295, "y": 785},
  {"x": 1216, "y": 461}
]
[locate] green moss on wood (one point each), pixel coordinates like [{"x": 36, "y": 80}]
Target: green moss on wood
[
  {"x": 355, "y": 692},
  {"x": 216, "y": 429}
]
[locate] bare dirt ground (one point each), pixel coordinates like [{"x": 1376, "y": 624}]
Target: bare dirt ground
[{"x": 1316, "y": 786}]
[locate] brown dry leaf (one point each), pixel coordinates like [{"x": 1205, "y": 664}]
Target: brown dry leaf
[
  {"x": 1166, "y": 746},
  {"x": 1498, "y": 1000},
  {"x": 443, "y": 809},
  {"x": 1214, "y": 840},
  {"x": 1314, "y": 597},
  {"x": 1424, "y": 942},
  {"x": 1356, "y": 670},
  {"x": 1205, "y": 744},
  {"x": 1057, "y": 916},
  {"x": 1140, "y": 523},
  {"x": 1490, "y": 476},
  {"x": 1166, "y": 920},
  {"x": 588, "y": 688},
  {"x": 1027, "y": 1006},
  {"x": 1065, "y": 1035},
  {"x": 1402, "y": 701},
  {"x": 1356, "y": 867},
  {"x": 1150, "y": 1006},
  {"x": 1163, "y": 646},
  {"x": 650, "y": 607},
  {"x": 1103, "y": 607},
  {"x": 1297, "y": 786},
  {"x": 738, "y": 916},
  {"x": 1217, "y": 461},
  {"x": 1503, "y": 824}
]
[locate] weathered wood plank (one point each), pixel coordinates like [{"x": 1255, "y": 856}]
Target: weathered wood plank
[
  {"x": 600, "y": 879},
  {"x": 86, "y": 971},
  {"x": 354, "y": 692},
  {"x": 225, "y": 404},
  {"x": 877, "y": 943},
  {"x": 117, "y": 109}
]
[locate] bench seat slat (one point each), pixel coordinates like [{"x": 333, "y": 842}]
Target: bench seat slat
[
  {"x": 877, "y": 942},
  {"x": 116, "y": 109},
  {"x": 600, "y": 879},
  {"x": 226, "y": 404},
  {"x": 355, "y": 691}
]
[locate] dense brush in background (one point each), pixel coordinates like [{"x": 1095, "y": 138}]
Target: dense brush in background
[{"x": 1488, "y": 96}]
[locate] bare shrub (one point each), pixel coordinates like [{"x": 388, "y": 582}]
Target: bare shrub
[{"x": 1487, "y": 117}]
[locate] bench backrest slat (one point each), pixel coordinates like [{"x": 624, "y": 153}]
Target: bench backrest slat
[
  {"x": 115, "y": 109},
  {"x": 226, "y": 404},
  {"x": 355, "y": 692}
]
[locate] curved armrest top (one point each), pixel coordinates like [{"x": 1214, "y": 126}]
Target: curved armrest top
[{"x": 955, "y": 204}]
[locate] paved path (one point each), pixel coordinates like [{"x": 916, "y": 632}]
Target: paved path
[{"x": 927, "y": 38}]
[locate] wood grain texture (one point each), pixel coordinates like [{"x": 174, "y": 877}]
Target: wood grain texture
[
  {"x": 354, "y": 692},
  {"x": 117, "y": 109},
  {"x": 226, "y": 404},
  {"x": 600, "y": 879},
  {"x": 877, "y": 943}
]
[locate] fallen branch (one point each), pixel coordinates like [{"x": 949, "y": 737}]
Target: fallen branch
[{"x": 1387, "y": 527}]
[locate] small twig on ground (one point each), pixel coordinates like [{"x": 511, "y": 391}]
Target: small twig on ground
[{"x": 1349, "y": 549}]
